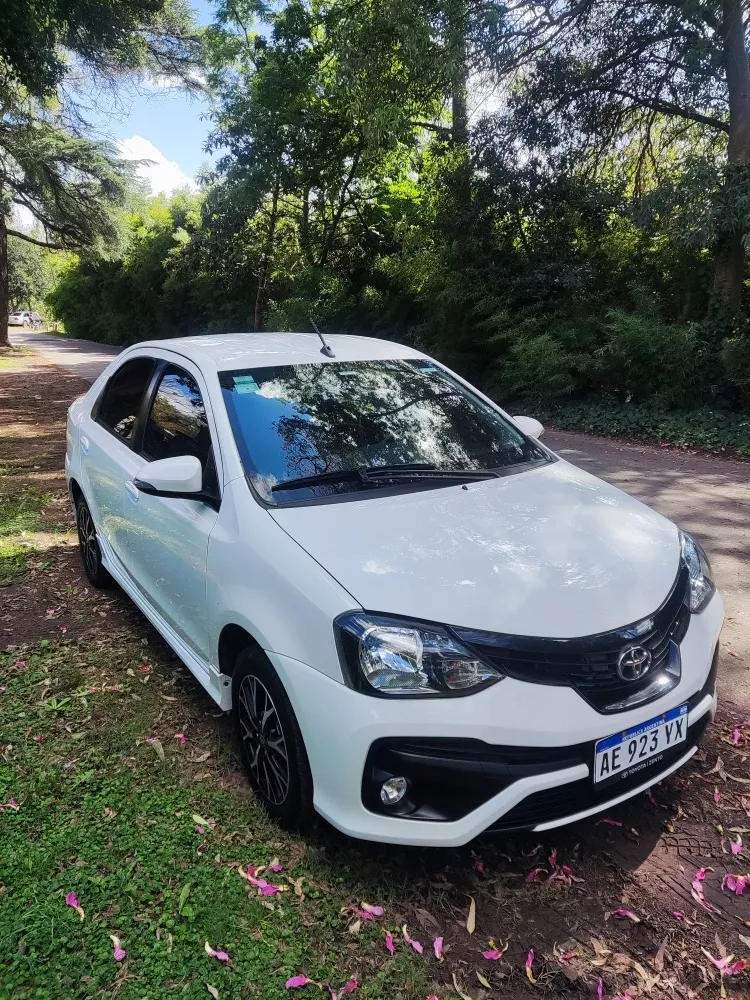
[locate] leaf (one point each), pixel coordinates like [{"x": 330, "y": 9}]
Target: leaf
[
  {"x": 199, "y": 820},
  {"x": 159, "y": 749},
  {"x": 213, "y": 991},
  {"x": 471, "y": 920},
  {"x": 464, "y": 996},
  {"x": 200, "y": 758},
  {"x": 183, "y": 897},
  {"x": 482, "y": 980}
]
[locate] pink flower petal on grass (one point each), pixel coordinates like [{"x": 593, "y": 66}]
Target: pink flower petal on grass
[
  {"x": 369, "y": 908},
  {"x": 182, "y": 738},
  {"x": 119, "y": 952},
  {"x": 737, "y": 967},
  {"x": 276, "y": 867},
  {"x": 213, "y": 953},
  {"x": 600, "y": 990},
  {"x": 622, "y": 914},
  {"x": 678, "y": 914},
  {"x": 410, "y": 940},
  {"x": 534, "y": 876},
  {"x": 72, "y": 900},
  {"x": 736, "y": 845},
  {"x": 390, "y": 947},
  {"x": 437, "y": 947},
  {"x": 494, "y": 954},
  {"x": 350, "y": 986},
  {"x": 736, "y": 736},
  {"x": 717, "y": 795},
  {"x": 296, "y": 981},
  {"x": 528, "y": 966}
]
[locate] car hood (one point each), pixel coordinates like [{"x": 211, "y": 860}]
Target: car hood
[{"x": 551, "y": 551}]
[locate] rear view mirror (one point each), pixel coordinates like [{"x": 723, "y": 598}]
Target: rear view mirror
[
  {"x": 171, "y": 477},
  {"x": 530, "y": 426}
]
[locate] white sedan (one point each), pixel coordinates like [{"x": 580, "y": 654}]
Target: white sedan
[{"x": 426, "y": 624}]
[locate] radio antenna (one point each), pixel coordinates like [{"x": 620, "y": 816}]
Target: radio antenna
[{"x": 325, "y": 349}]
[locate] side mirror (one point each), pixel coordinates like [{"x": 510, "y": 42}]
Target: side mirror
[
  {"x": 530, "y": 426},
  {"x": 171, "y": 477}
]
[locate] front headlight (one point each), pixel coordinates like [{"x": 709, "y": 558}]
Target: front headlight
[
  {"x": 390, "y": 656},
  {"x": 701, "y": 583}
]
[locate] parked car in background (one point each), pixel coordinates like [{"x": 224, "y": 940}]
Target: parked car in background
[
  {"x": 426, "y": 623},
  {"x": 20, "y": 318},
  {"x": 36, "y": 319}
]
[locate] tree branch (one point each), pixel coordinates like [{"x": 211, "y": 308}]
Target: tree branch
[{"x": 30, "y": 239}]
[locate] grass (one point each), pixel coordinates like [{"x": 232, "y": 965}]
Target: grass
[
  {"x": 151, "y": 849},
  {"x": 21, "y": 531},
  {"x": 9, "y": 357}
]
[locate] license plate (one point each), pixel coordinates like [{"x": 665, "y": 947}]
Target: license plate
[{"x": 640, "y": 748}]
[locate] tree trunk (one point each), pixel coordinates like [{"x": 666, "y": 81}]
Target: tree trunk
[
  {"x": 4, "y": 341},
  {"x": 260, "y": 295},
  {"x": 730, "y": 258}
]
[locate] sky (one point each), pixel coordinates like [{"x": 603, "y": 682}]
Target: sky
[{"x": 159, "y": 124}]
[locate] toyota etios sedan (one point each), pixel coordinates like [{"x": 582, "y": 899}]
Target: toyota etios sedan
[{"x": 426, "y": 624}]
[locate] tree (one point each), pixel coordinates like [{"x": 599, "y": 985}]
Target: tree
[
  {"x": 38, "y": 40},
  {"x": 599, "y": 73},
  {"x": 70, "y": 185}
]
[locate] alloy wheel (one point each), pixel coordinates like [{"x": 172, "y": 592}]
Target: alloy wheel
[
  {"x": 87, "y": 538},
  {"x": 263, "y": 739}
]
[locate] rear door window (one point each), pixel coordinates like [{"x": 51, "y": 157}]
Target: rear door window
[
  {"x": 122, "y": 398},
  {"x": 177, "y": 424}
]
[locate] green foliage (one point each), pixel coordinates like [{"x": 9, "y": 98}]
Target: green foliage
[
  {"x": 32, "y": 273},
  {"x": 701, "y": 428},
  {"x": 20, "y": 521},
  {"x": 105, "y": 36}
]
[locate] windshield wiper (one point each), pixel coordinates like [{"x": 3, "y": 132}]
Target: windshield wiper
[{"x": 377, "y": 474}]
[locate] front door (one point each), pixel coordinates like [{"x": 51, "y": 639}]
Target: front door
[{"x": 165, "y": 540}]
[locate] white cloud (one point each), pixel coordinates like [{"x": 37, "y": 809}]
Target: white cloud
[{"x": 162, "y": 174}]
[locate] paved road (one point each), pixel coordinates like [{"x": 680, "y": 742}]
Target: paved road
[
  {"x": 706, "y": 495},
  {"x": 83, "y": 358}
]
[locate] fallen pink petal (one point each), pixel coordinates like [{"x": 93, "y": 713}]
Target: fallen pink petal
[
  {"x": 181, "y": 737},
  {"x": 528, "y": 966},
  {"x": 296, "y": 981},
  {"x": 533, "y": 876},
  {"x": 736, "y": 736},
  {"x": 375, "y": 911},
  {"x": 437, "y": 947},
  {"x": 717, "y": 795},
  {"x": 410, "y": 940},
  {"x": 553, "y": 859},
  {"x": 480, "y": 866},
  {"x": 72, "y": 900},
  {"x": 622, "y": 914},
  {"x": 118, "y": 952},
  {"x": 493, "y": 954},
  {"x": 609, "y": 822},
  {"x": 735, "y": 883},
  {"x": 221, "y": 956},
  {"x": 736, "y": 845},
  {"x": 276, "y": 868},
  {"x": 678, "y": 915},
  {"x": 350, "y": 986},
  {"x": 567, "y": 955},
  {"x": 739, "y": 966},
  {"x": 389, "y": 945},
  {"x": 600, "y": 990},
  {"x": 269, "y": 890}
]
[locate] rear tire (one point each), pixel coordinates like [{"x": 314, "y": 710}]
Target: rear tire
[
  {"x": 91, "y": 554},
  {"x": 273, "y": 751}
]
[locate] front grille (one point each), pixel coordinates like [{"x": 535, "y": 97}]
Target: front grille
[
  {"x": 589, "y": 664},
  {"x": 577, "y": 796}
]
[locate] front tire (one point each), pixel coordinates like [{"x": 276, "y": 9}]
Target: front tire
[
  {"x": 91, "y": 554},
  {"x": 273, "y": 751}
]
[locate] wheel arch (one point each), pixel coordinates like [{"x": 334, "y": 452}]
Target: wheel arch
[
  {"x": 75, "y": 490},
  {"x": 233, "y": 639}
]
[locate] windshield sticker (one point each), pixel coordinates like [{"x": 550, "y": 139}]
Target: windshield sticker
[{"x": 245, "y": 383}]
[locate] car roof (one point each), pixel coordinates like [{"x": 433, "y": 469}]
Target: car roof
[{"x": 229, "y": 351}]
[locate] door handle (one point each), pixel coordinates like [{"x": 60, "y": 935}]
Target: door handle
[
  {"x": 84, "y": 441},
  {"x": 132, "y": 490}
]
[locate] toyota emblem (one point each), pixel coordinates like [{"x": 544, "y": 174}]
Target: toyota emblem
[{"x": 633, "y": 663}]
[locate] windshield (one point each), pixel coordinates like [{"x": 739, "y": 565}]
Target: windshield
[{"x": 295, "y": 422}]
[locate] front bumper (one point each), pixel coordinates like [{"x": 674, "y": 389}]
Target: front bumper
[{"x": 344, "y": 730}]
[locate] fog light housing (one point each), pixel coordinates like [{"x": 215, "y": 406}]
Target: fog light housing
[{"x": 393, "y": 790}]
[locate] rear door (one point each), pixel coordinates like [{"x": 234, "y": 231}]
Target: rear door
[
  {"x": 106, "y": 442},
  {"x": 165, "y": 539}
]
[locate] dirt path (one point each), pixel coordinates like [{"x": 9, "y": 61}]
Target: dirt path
[{"x": 644, "y": 858}]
